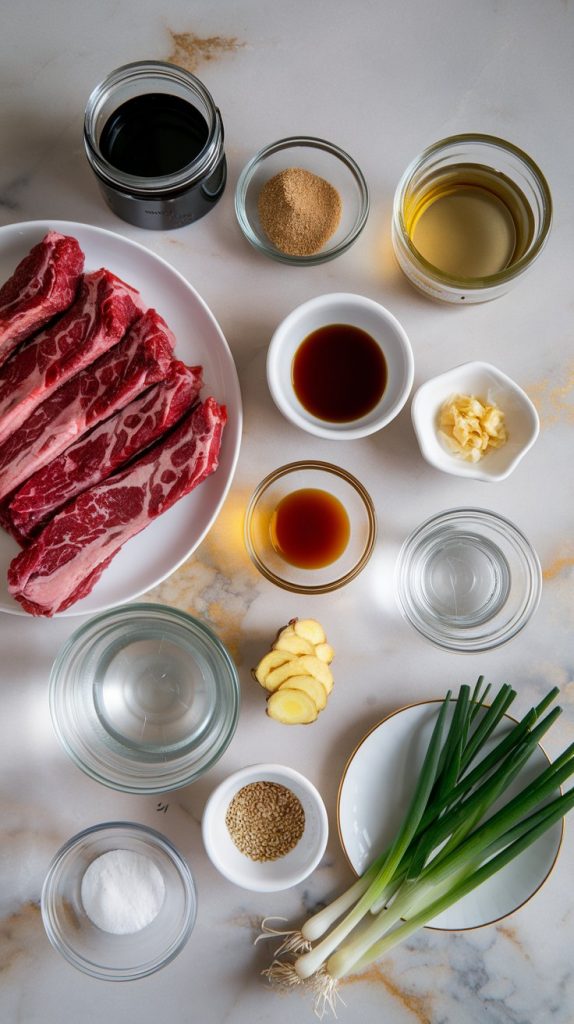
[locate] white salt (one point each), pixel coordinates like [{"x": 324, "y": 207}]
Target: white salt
[{"x": 122, "y": 891}]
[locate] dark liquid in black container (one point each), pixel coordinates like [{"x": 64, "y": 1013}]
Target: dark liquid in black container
[{"x": 153, "y": 135}]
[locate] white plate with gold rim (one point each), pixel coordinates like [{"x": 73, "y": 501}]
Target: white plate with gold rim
[
  {"x": 375, "y": 789},
  {"x": 156, "y": 552}
]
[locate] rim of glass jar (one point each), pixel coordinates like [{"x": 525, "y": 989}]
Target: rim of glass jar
[
  {"x": 170, "y": 774},
  {"x": 301, "y": 588},
  {"x": 502, "y": 276},
  {"x": 447, "y": 639},
  {"x": 203, "y": 164},
  {"x": 312, "y": 142},
  {"x": 62, "y": 946}
]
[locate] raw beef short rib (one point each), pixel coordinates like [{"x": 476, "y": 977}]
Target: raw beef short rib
[
  {"x": 103, "y": 311},
  {"x": 105, "y": 449},
  {"x": 63, "y": 564},
  {"x": 43, "y": 284},
  {"x": 142, "y": 358}
]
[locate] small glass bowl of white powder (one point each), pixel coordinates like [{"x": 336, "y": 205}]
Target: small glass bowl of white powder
[{"x": 118, "y": 901}]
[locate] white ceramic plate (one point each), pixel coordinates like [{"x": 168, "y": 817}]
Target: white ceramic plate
[
  {"x": 156, "y": 552},
  {"x": 376, "y": 787}
]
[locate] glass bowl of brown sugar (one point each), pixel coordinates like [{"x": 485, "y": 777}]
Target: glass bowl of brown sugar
[{"x": 302, "y": 201}]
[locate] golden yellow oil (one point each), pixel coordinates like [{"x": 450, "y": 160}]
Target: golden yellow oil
[{"x": 468, "y": 221}]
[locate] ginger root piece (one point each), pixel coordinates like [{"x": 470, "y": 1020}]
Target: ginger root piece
[
  {"x": 305, "y": 665},
  {"x": 325, "y": 652},
  {"x": 310, "y": 630},
  {"x": 292, "y": 707},
  {"x": 296, "y": 672},
  {"x": 270, "y": 661},
  {"x": 471, "y": 427},
  {"x": 311, "y": 686},
  {"x": 289, "y": 641}
]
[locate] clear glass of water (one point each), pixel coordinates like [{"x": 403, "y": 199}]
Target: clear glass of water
[
  {"x": 144, "y": 698},
  {"x": 468, "y": 579}
]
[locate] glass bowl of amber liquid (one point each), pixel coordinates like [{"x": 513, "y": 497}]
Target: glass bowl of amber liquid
[
  {"x": 470, "y": 216},
  {"x": 310, "y": 527}
]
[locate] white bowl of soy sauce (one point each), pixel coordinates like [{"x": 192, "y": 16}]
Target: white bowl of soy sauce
[
  {"x": 340, "y": 366},
  {"x": 154, "y": 140}
]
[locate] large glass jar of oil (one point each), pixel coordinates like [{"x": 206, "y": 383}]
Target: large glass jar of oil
[{"x": 470, "y": 216}]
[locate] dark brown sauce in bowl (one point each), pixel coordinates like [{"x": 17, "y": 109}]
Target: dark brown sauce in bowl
[{"x": 339, "y": 373}]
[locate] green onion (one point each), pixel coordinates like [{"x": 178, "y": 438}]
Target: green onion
[
  {"x": 547, "y": 817},
  {"x": 450, "y": 841},
  {"x": 310, "y": 962}
]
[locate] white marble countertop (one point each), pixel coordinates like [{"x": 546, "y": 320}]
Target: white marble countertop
[{"x": 382, "y": 81}]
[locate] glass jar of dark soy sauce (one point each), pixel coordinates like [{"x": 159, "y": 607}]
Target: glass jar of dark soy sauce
[{"x": 154, "y": 139}]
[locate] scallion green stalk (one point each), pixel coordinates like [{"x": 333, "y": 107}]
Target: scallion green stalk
[
  {"x": 447, "y": 843},
  {"x": 309, "y": 963}
]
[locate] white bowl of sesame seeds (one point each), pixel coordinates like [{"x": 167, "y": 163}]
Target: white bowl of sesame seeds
[{"x": 265, "y": 827}]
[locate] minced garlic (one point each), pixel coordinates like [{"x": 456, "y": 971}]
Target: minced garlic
[{"x": 471, "y": 427}]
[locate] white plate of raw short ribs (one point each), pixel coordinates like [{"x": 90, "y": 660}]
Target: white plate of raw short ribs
[{"x": 120, "y": 419}]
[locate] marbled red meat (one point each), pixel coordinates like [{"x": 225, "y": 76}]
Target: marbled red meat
[
  {"x": 43, "y": 284},
  {"x": 142, "y": 358},
  {"x": 66, "y": 560},
  {"x": 103, "y": 311},
  {"x": 105, "y": 449}
]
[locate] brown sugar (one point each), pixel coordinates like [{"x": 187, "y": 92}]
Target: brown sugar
[{"x": 299, "y": 211}]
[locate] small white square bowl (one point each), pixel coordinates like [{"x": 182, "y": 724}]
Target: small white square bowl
[{"x": 487, "y": 382}]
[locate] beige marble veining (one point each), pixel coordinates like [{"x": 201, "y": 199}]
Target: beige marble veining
[
  {"x": 218, "y": 583},
  {"x": 20, "y": 934},
  {"x": 419, "y": 1008},
  {"x": 189, "y": 50},
  {"x": 553, "y": 396}
]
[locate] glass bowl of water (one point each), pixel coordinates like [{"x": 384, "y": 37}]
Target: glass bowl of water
[
  {"x": 144, "y": 698},
  {"x": 468, "y": 579}
]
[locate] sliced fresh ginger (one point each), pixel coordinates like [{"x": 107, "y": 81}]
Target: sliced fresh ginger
[
  {"x": 324, "y": 652},
  {"x": 310, "y": 630},
  {"x": 311, "y": 686},
  {"x": 289, "y": 641},
  {"x": 306, "y": 665},
  {"x": 270, "y": 661},
  {"x": 292, "y": 707},
  {"x": 296, "y": 672}
]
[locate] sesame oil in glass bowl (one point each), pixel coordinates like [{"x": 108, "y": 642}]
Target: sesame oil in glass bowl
[{"x": 470, "y": 216}]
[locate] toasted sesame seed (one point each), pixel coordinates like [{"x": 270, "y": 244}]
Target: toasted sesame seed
[{"x": 265, "y": 820}]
